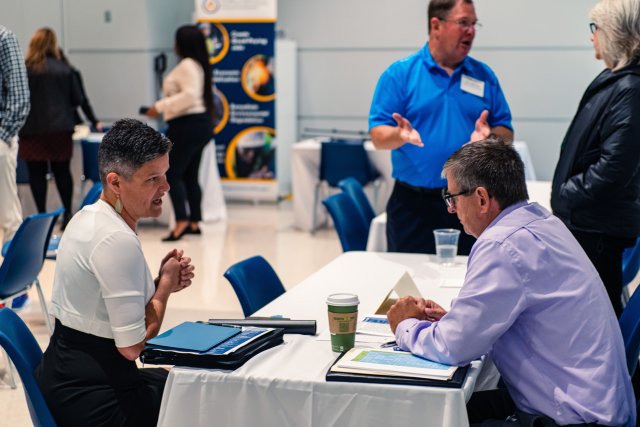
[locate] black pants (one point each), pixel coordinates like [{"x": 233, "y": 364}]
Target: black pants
[
  {"x": 87, "y": 382},
  {"x": 413, "y": 214},
  {"x": 189, "y": 134},
  {"x": 605, "y": 252},
  {"x": 38, "y": 183},
  {"x": 495, "y": 408}
]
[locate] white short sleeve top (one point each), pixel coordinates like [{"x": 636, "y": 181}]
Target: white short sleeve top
[{"x": 102, "y": 283}]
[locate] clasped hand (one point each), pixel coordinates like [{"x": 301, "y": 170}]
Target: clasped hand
[
  {"x": 178, "y": 269},
  {"x": 414, "y": 308}
]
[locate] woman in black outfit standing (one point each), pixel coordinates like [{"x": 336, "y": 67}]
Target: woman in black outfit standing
[
  {"x": 188, "y": 109},
  {"x": 46, "y": 137},
  {"x": 87, "y": 110},
  {"x": 596, "y": 185}
]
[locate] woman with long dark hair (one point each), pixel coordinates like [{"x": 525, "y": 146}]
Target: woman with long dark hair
[
  {"x": 46, "y": 137},
  {"x": 187, "y": 107}
]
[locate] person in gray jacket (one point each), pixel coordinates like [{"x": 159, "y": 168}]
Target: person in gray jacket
[{"x": 596, "y": 185}]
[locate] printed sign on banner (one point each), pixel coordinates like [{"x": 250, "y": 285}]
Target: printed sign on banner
[{"x": 240, "y": 36}]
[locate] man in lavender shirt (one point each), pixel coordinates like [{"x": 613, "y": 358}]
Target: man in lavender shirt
[{"x": 531, "y": 299}]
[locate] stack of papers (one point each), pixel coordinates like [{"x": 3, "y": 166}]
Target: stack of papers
[
  {"x": 389, "y": 362},
  {"x": 374, "y": 329}
]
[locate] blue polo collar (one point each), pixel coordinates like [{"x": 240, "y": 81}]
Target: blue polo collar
[{"x": 432, "y": 64}]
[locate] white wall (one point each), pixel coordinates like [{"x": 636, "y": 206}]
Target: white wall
[
  {"x": 540, "y": 50},
  {"x": 112, "y": 42}
]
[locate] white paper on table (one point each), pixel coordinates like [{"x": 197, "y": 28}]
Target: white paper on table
[
  {"x": 374, "y": 325},
  {"x": 404, "y": 287},
  {"x": 360, "y": 339}
]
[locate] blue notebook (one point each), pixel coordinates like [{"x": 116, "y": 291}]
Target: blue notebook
[{"x": 192, "y": 336}]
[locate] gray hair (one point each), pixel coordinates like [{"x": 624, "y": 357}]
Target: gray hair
[
  {"x": 127, "y": 146},
  {"x": 619, "y": 36},
  {"x": 491, "y": 164},
  {"x": 441, "y": 8}
]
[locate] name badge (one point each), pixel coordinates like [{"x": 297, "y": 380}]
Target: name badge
[{"x": 472, "y": 86}]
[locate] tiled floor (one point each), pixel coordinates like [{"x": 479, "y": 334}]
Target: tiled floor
[{"x": 264, "y": 229}]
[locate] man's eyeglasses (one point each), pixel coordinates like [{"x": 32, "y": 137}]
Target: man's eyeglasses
[
  {"x": 465, "y": 24},
  {"x": 450, "y": 199},
  {"x": 593, "y": 27}
]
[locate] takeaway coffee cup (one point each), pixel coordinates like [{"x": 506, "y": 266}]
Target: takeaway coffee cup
[
  {"x": 446, "y": 245},
  {"x": 343, "y": 316}
]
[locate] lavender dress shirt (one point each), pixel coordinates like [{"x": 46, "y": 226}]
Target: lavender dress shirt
[{"x": 533, "y": 301}]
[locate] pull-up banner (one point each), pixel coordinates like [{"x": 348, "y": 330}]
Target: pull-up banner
[{"x": 240, "y": 36}]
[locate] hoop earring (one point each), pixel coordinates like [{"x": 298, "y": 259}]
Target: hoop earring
[{"x": 118, "y": 207}]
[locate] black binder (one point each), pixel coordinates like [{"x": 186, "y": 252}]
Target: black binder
[
  {"x": 155, "y": 356},
  {"x": 290, "y": 326},
  {"x": 455, "y": 382}
]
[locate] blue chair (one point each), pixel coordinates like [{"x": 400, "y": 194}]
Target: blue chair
[
  {"x": 630, "y": 327},
  {"x": 89, "y": 163},
  {"x": 92, "y": 195},
  {"x": 353, "y": 189},
  {"x": 255, "y": 283},
  {"x": 630, "y": 263},
  {"x": 24, "y": 257},
  {"x": 23, "y": 350},
  {"x": 340, "y": 159},
  {"x": 630, "y": 267},
  {"x": 352, "y": 229}
]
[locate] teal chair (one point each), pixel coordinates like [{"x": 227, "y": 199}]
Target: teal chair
[
  {"x": 25, "y": 353},
  {"x": 255, "y": 283}
]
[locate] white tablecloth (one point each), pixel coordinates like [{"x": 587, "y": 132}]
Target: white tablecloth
[
  {"x": 285, "y": 386},
  {"x": 539, "y": 191},
  {"x": 305, "y": 173}
]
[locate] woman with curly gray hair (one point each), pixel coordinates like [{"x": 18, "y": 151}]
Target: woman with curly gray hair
[{"x": 596, "y": 185}]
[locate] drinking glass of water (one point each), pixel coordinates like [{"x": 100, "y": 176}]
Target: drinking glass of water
[{"x": 446, "y": 245}]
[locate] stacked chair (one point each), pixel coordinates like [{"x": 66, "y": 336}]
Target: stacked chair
[
  {"x": 352, "y": 214},
  {"x": 340, "y": 159}
]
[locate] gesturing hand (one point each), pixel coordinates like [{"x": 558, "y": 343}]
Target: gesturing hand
[
  {"x": 407, "y": 132},
  {"x": 482, "y": 129}
]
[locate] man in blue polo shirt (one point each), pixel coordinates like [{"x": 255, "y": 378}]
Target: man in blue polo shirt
[{"x": 425, "y": 107}]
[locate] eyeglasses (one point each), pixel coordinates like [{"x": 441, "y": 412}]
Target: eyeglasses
[
  {"x": 450, "y": 199},
  {"x": 465, "y": 24},
  {"x": 593, "y": 27}
]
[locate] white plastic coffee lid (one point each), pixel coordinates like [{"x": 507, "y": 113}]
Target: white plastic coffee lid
[{"x": 343, "y": 300}]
